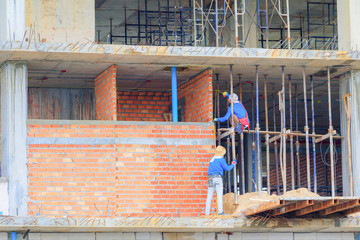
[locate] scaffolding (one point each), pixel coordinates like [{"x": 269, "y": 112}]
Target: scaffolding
[{"x": 285, "y": 135}]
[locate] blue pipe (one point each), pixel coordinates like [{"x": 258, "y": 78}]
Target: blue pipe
[
  {"x": 174, "y": 94},
  {"x": 13, "y": 236},
  {"x": 258, "y": 133},
  {"x": 253, "y": 137}
]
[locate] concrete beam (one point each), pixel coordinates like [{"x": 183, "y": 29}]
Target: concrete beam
[{"x": 13, "y": 78}]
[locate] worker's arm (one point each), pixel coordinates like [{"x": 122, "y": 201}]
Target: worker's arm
[
  {"x": 225, "y": 166},
  {"x": 226, "y": 117}
]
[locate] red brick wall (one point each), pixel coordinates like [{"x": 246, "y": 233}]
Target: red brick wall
[
  {"x": 105, "y": 95},
  {"x": 198, "y": 97},
  {"x": 83, "y": 170},
  {"x": 142, "y": 106}
]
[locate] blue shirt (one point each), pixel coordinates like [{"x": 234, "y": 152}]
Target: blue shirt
[
  {"x": 217, "y": 165},
  {"x": 239, "y": 111}
]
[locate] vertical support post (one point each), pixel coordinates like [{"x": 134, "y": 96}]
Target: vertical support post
[
  {"x": 233, "y": 134},
  {"x": 346, "y": 99},
  {"x": 159, "y": 21},
  {"x": 253, "y": 137},
  {"x": 139, "y": 24},
  {"x": 267, "y": 138},
  {"x": 146, "y": 22},
  {"x": 284, "y": 128},
  {"x": 291, "y": 138},
  {"x": 174, "y": 94},
  {"x": 125, "y": 26},
  {"x": 216, "y": 23},
  {"x": 236, "y": 24},
  {"x": 276, "y": 146},
  {"x": 313, "y": 132},
  {"x": 297, "y": 144},
  {"x": 331, "y": 137},
  {"x": 288, "y": 23},
  {"x": 111, "y": 29},
  {"x": 242, "y": 148},
  {"x": 306, "y": 133},
  {"x": 258, "y": 133},
  {"x": 218, "y": 105}
]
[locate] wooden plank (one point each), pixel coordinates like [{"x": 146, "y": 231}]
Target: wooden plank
[
  {"x": 274, "y": 138},
  {"x": 225, "y": 134},
  {"x": 341, "y": 207},
  {"x": 352, "y": 210},
  {"x": 317, "y": 140},
  {"x": 292, "y": 207},
  {"x": 263, "y": 207},
  {"x": 317, "y": 207}
]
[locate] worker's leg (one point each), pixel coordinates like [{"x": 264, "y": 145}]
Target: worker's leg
[
  {"x": 208, "y": 199},
  {"x": 238, "y": 128},
  {"x": 218, "y": 182}
]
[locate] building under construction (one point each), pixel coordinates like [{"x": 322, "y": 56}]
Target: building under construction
[{"x": 107, "y": 110}]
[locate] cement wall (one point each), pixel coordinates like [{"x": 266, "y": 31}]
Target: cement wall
[
  {"x": 60, "y": 20},
  {"x": 189, "y": 236},
  {"x": 12, "y": 20}
]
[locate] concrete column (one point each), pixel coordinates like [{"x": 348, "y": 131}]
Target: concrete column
[
  {"x": 13, "y": 78},
  {"x": 250, "y": 27},
  {"x": 348, "y": 30},
  {"x": 12, "y": 20},
  {"x": 350, "y": 83}
]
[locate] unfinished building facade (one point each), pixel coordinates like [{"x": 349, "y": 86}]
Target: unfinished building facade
[{"x": 107, "y": 110}]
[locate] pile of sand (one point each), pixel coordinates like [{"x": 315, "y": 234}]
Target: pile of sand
[{"x": 249, "y": 200}]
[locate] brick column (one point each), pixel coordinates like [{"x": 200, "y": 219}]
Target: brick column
[{"x": 105, "y": 95}]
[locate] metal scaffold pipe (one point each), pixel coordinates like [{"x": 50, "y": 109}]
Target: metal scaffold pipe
[
  {"x": 267, "y": 137},
  {"x": 307, "y": 134},
  {"x": 313, "y": 131},
  {"x": 257, "y": 132},
  {"x": 276, "y": 146},
  {"x": 291, "y": 138},
  {"x": 233, "y": 134},
  {"x": 242, "y": 149},
  {"x": 331, "y": 137},
  {"x": 284, "y": 128},
  {"x": 297, "y": 140},
  {"x": 218, "y": 106},
  {"x": 253, "y": 137}
]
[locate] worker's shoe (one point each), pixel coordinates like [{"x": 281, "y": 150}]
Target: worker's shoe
[{"x": 223, "y": 214}]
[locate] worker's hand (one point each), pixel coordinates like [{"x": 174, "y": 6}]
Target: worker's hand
[
  {"x": 226, "y": 94},
  {"x": 234, "y": 162},
  {"x": 215, "y": 119}
]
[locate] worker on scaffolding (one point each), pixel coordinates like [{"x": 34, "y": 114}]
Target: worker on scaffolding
[
  {"x": 241, "y": 120},
  {"x": 217, "y": 166}
]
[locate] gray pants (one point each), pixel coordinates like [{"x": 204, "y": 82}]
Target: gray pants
[{"x": 218, "y": 185}]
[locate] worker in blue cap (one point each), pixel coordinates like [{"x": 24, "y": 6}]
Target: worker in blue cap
[
  {"x": 217, "y": 166},
  {"x": 241, "y": 119}
]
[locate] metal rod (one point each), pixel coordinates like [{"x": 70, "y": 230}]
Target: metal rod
[
  {"x": 288, "y": 23},
  {"x": 291, "y": 138},
  {"x": 313, "y": 131},
  {"x": 331, "y": 137},
  {"x": 307, "y": 133},
  {"x": 284, "y": 127},
  {"x": 267, "y": 137},
  {"x": 218, "y": 106},
  {"x": 257, "y": 133},
  {"x": 233, "y": 134},
  {"x": 297, "y": 144},
  {"x": 236, "y": 25},
  {"x": 276, "y": 147},
  {"x": 242, "y": 148},
  {"x": 253, "y": 138},
  {"x": 216, "y": 23},
  {"x": 174, "y": 94}
]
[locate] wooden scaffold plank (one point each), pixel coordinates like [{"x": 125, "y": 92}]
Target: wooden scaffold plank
[
  {"x": 317, "y": 207},
  {"x": 341, "y": 207},
  {"x": 292, "y": 207},
  {"x": 263, "y": 207}
]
